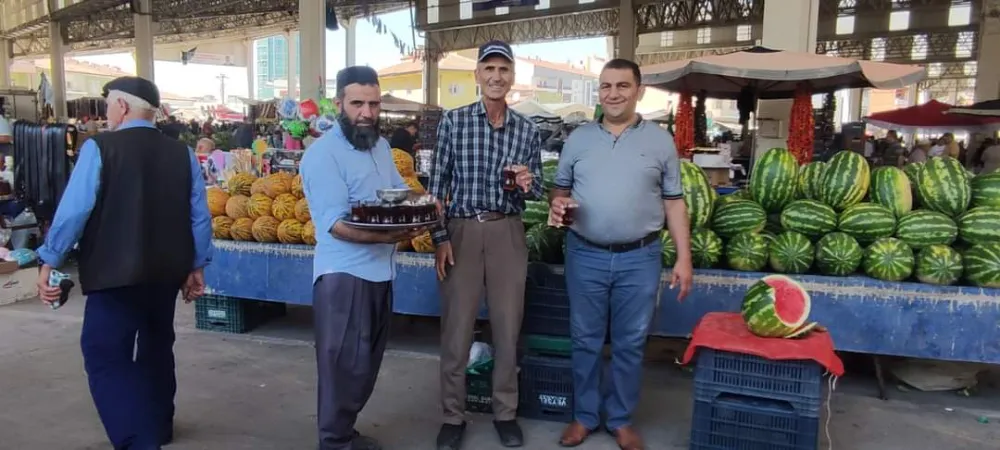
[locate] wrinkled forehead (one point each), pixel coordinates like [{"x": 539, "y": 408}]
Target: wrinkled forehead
[
  {"x": 362, "y": 93},
  {"x": 618, "y": 77},
  {"x": 495, "y": 62}
]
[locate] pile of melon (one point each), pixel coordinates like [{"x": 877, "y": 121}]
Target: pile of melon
[
  {"x": 407, "y": 169},
  {"x": 267, "y": 209}
]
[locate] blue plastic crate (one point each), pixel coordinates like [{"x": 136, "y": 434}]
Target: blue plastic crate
[
  {"x": 797, "y": 382},
  {"x": 545, "y": 389},
  {"x": 546, "y": 303},
  {"x": 734, "y": 422}
]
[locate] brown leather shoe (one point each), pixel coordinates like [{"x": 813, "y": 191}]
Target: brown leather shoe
[
  {"x": 628, "y": 439},
  {"x": 574, "y": 435}
]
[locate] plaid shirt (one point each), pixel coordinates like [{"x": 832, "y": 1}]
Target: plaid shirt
[{"x": 469, "y": 161}]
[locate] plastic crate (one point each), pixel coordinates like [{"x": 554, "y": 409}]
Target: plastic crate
[
  {"x": 479, "y": 392},
  {"x": 734, "y": 422},
  {"x": 797, "y": 382},
  {"x": 233, "y": 315},
  {"x": 546, "y": 303},
  {"x": 543, "y": 345},
  {"x": 546, "y": 389}
]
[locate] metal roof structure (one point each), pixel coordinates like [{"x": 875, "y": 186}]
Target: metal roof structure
[{"x": 105, "y": 24}]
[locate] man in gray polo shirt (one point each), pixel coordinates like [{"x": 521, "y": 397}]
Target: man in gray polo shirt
[{"x": 623, "y": 176}]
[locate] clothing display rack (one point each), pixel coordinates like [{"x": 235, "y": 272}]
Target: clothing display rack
[{"x": 42, "y": 165}]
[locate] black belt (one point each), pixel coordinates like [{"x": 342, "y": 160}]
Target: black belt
[
  {"x": 488, "y": 216},
  {"x": 624, "y": 247}
]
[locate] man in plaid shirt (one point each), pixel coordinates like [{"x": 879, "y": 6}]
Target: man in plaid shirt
[{"x": 482, "y": 248}]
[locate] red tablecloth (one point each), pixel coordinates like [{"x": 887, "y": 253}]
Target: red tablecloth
[{"x": 728, "y": 332}]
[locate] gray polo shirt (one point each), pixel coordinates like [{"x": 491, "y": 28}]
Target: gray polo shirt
[{"x": 620, "y": 183}]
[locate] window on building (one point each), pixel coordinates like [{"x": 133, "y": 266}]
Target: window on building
[
  {"x": 899, "y": 20},
  {"x": 454, "y": 89},
  {"x": 963, "y": 47},
  {"x": 919, "y": 49},
  {"x": 744, "y": 32},
  {"x": 845, "y": 24},
  {"x": 704, "y": 36},
  {"x": 959, "y": 15},
  {"x": 667, "y": 39},
  {"x": 877, "y": 49}
]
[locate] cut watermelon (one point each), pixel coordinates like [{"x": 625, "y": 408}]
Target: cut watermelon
[
  {"x": 803, "y": 330},
  {"x": 775, "y": 306}
]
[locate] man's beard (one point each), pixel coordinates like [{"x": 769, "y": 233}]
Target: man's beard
[{"x": 362, "y": 137}]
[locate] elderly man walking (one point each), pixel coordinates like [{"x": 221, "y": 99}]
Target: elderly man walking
[
  {"x": 136, "y": 203},
  {"x": 482, "y": 250},
  {"x": 613, "y": 253}
]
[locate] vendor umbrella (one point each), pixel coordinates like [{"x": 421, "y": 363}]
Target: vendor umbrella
[
  {"x": 987, "y": 108},
  {"x": 931, "y": 116},
  {"x": 775, "y": 74}
]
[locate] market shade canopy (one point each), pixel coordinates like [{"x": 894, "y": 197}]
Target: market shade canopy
[
  {"x": 775, "y": 74},
  {"x": 391, "y": 103},
  {"x": 930, "y": 117},
  {"x": 987, "y": 108}
]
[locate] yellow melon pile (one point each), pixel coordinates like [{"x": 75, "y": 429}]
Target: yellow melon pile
[
  {"x": 404, "y": 164},
  {"x": 266, "y": 209}
]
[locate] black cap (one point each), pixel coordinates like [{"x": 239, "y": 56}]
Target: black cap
[
  {"x": 356, "y": 75},
  {"x": 139, "y": 87},
  {"x": 495, "y": 48}
]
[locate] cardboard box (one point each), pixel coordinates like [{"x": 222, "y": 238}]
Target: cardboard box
[{"x": 18, "y": 285}]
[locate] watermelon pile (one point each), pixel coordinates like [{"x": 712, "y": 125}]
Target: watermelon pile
[
  {"x": 777, "y": 306},
  {"x": 840, "y": 218}
]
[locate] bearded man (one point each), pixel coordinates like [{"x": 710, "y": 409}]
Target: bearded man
[{"x": 352, "y": 268}]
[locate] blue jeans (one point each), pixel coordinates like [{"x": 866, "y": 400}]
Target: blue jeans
[{"x": 624, "y": 287}]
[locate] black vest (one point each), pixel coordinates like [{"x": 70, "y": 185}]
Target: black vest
[{"x": 140, "y": 229}]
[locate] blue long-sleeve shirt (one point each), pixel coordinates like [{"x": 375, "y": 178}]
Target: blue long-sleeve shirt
[{"x": 81, "y": 195}]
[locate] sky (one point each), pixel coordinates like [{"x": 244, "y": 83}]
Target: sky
[{"x": 379, "y": 52}]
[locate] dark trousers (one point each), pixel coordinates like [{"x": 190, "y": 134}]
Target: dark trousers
[
  {"x": 127, "y": 343},
  {"x": 351, "y": 318}
]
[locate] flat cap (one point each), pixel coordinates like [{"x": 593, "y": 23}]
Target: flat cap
[{"x": 137, "y": 86}]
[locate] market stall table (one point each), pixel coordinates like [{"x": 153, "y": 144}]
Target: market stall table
[{"x": 863, "y": 315}]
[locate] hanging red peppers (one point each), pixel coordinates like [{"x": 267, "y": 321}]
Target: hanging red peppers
[
  {"x": 800, "y": 125},
  {"x": 684, "y": 127}
]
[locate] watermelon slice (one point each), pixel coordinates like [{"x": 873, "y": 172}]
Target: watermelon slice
[
  {"x": 776, "y": 306},
  {"x": 804, "y": 330}
]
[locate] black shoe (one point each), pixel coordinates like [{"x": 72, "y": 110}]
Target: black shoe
[
  {"x": 365, "y": 443},
  {"x": 450, "y": 436},
  {"x": 509, "y": 432},
  {"x": 168, "y": 438}
]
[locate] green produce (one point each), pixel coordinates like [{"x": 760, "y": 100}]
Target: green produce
[
  {"x": 545, "y": 244},
  {"x": 706, "y": 248},
  {"x": 809, "y": 217},
  {"x": 921, "y": 228},
  {"x": 669, "y": 249},
  {"x": 986, "y": 189},
  {"x": 769, "y": 236},
  {"x": 939, "y": 264},
  {"x": 845, "y": 180},
  {"x": 535, "y": 213},
  {"x": 809, "y": 180},
  {"x": 698, "y": 194},
  {"x": 980, "y": 225},
  {"x": 891, "y": 188},
  {"x": 944, "y": 187},
  {"x": 912, "y": 171},
  {"x": 747, "y": 252},
  {"x": 723, "y": 199},
  {"x": 838, "y": 254},
  {"x": 888, "y": 259},
  {"x": 549, "y": 174},
  {"x": 738, "y": 216},
  {"x": 982, "y": 264},
  {"x": 791, "y": 252},
  {"x": 867, "y": 222},
  {"x": 775, "y": 306},
  {"x": 772, "y": 179}
]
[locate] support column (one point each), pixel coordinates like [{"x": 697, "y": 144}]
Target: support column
[
  {"x": 788, "y": 25},
  {"x": 312, "y": 38},
  {"x": 855, "y": 100},
  {"x": 350, "y": 42},
  {"x": 144, "y": 40},
  {"x": 626, "y": 30},
  {"x": 291, "y": 65},
  {"x": 251, "y": 66},
  {"x": 430, "y": 86},
  {"x": 988, "y": 68},
  {"x": 6, "y": 50},
  {"x": 57, "y": 71}
]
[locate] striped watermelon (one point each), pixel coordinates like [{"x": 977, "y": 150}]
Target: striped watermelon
[
  {"x": 772, "y": 179},
  {"x": 986, "y": 189},
  {"x": 912, "y": 171},
  {"x": 845, "y": 180},
  {"x": 982, "y": 264},
  {"x": 534, "y": 213},
  {"x": 891, "y": 188},
  {"x": 939, "y": 264},
  {"x": 747, "y": 252},
  {"x": 706, "y": 248},
  {"x": 944, "y": 187},
  {"x": 980, "y": 225},
  {"x": 775, "y": 306},
  {"x": 697, "y": 194},
  {"x": 669, "y": 249},
  {"x": 738, "y": 216},
  {"x": 888, "y": 259},
  {"x": 838, "y": 254},
  {"x": 921, "y": 228},
  {"x": 809, "y": 217},
  {"x": 867, "y": 222},
  {"x": 810, "y": 178},
  {"x": 791, "y": 252}
]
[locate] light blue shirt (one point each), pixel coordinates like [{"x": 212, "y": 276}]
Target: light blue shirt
[
  {"x": 335, "y": 174},
  {"x": 81, "y": 194}
]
